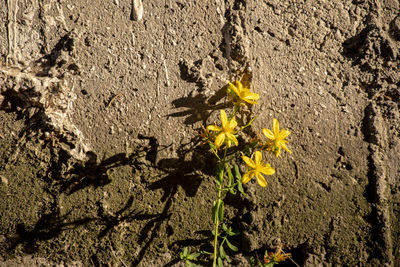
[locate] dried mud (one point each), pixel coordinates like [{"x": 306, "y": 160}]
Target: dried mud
[{"x": 100, "y": 109}]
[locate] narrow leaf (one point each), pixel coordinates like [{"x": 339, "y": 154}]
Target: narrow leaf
[
  {"x": 225, "y": 228},
  {"x": 237, "y": 172},
  {"x": 220, "y": 210},
  {"x": 233, "y": 232},
  {"x": 239, "y": 180},
  {"x": 191, "y": 264},
  {"x": 193, "y": 256},
  {"x": 220, "y": 262},
  {"x": 220, "y": 173},
  {"x": 215, "y": 212},
  {"x": 214, "y": 150},
  {"x": 233, "y": 191},
  {"x": 230, "y": 176},
  {"x": 232, "y": 247},
  {"x": 248, "y": 124},
  {"x": 222, "y": 253}
]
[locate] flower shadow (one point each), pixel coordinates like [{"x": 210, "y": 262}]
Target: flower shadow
[{"x": 198, "y": 107}]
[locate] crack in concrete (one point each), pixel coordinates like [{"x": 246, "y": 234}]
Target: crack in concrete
[{"x": 377, "y": 176}]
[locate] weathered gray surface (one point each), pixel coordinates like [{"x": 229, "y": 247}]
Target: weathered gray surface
[{"x": 99, "y": 114}]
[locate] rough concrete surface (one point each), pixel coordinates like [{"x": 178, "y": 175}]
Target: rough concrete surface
[{"x": 100, "y": 163}]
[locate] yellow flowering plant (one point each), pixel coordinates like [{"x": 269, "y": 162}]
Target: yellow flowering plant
[
  {"x": 240, "y": 95},
  {"x": 229, "y": 179},
  {"x": 276, "y": 138}
]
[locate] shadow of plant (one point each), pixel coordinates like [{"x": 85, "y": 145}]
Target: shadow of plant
[
  {"x": 198, "y": 107},
  {"x": 62, "y": 177}
]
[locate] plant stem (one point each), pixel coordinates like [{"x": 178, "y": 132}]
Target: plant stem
[
  {"x": 216, "y": 231},
  {"x": 217, "y": 223}
]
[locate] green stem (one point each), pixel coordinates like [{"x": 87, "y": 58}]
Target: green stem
[
  {"x": 217, "y": 224},
  {"x": 216, "y": 232}
]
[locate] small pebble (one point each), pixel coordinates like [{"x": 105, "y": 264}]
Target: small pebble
[
  {"x": 137, "y": 10},
  {"x": 4, "y": 180}
]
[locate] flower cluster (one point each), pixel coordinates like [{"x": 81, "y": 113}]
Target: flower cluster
[
  {"x": 272, "y": 258},
  {"x": 227, "y": 134}
]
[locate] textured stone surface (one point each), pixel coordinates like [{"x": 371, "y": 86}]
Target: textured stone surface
[{"x": 99, "y": 115}]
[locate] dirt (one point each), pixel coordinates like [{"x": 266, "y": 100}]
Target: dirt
[{"x": 100, "y": 160}]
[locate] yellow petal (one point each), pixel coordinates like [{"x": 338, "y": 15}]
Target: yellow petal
[
  {"x": 219, "y": 140},
  {"x": 286, "y": 148},
  {"x": 278, "y": 152},
  {"x": 240, "y": 86},
  {"x": 275, "y": 127},
  {"x": 283, "y": 134},
  {"x": 224, "y": 119},
  {"x": 251, "y": 96},
  {"x": 257, "y": 158},
  {"x": 232, "y": 138},
  {"x": 234, "y": 88},
  {"x": 261, "y": 180},
  {"x": 214, "y": 128},
  {"x": 268, "y": 170},
  {"x": 228, "y": 142},
  {"x": 250, "y": 101},
  {"x": 247, "y": 177},
  {"x": 249, "y": 162},
  {"x": 232, "y": 124},
  {"x": 268, "y": 133}
]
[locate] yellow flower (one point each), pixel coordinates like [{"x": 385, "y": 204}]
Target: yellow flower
[
  {"x": 226, "y": 132},
  {"x": 256, "y": 168},
  {"x": 276, "y": 257},
  {"x": 277, "y": 138},
  {"x": 243, "y": 93}
]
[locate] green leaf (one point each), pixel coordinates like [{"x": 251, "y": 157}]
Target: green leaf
[
  {"x": 239, "y": 179},
  {"x": 220, "y": 210},
  {"x": 185, "y": 252},
  {"x": 230, "y": 176},
  {"x": 233, "y": 232},
  {"x": 228, "y": 259},
  {"x": 220, "y": 264},
  {"x": 237, "y": 172},
  {"x": 232, "y": 190},
  {"x": 252, "y": 261},
  {"x": 193, "y": 256},
  {"x": 215, "y": 212},
  {"x": 248, "y": 124},
  {"x": 220, "y": 173},
  {"x": 225, "y": 228},
  {"x": 214, "y": 150},
  {"x": 203, "y": 252},
  {"x": 191, "y": 264},
  {"x": 232, "y": 247},
  {"x": 222, "y": 252}
]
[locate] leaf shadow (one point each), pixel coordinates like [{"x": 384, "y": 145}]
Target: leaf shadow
[{"x": 198, "y": 107}]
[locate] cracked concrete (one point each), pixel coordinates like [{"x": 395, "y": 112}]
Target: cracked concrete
[{"x": 101, "y": 103}]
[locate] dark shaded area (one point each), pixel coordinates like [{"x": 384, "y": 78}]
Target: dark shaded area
[
  {"x": 198, "y": 107},
  {"x": 51, "y": 225},
  {"x": 55, "y": 58},
  {"x": 92, "y": 172},
  {"x": 46, "y": 228},
  {"x": 355, "y": 47},
  {"x": 368, "y": 129},
  {"x": 112, "y": 221},
  {"x": 66, "y": 175},
  {"x": 176, "y": 172}
]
